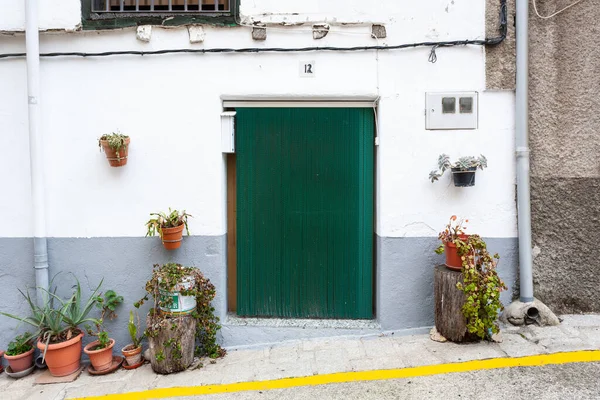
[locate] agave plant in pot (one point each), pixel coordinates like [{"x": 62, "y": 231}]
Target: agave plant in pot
[
  {"x": 133, "y": 351},
  {"x": 169, "y": 227},
  {"x": 57, "y": 327},
  {"x": 463, "y": 170},
  {"x": 19, "y": 354},
  {"x": 100, "y": 351},
  {"x": 116, "y": 147}
]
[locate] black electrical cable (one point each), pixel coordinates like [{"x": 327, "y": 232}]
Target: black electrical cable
[{"x": 432, "y": 57}]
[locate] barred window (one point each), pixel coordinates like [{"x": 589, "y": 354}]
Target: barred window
[
  {"x": 114, "y": 14},
  {"x": 160, "y": 6}
]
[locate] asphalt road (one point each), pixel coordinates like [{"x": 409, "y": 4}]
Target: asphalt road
[{"x": 564, "y": 382}]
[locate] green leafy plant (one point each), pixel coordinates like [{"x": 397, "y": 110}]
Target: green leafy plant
[
  {"x": 165, "y": 279},
  {"x": 115, "y": 140},
  {"x": 163, "y": 220},
  {"x": 463, "y": 164},
  {"x": 58, "y": 319},
  {"x": 103, "y": 340},
  {"x": 482, "y": 287},
  {"x": 107, "y": 304},
  {"x": 20, "y": 345},
  {"x": 133, "y": 327}
]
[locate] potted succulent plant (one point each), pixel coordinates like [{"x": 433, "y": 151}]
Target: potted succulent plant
[
  {"x": 453, "y": 233},
  {"x": 100, "y": 351},
  {"x": 133, "y": 351},
  {"x": 463, "y": 171},
  {"x": 169, "y": 227},
  {"x": 20, "y": 353},
  {"x": 116, "y": 148},
  {"x": 57, "y": 322}
]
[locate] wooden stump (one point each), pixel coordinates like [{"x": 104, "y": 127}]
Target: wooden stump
[
  {"x": 172, "y": 342},
  {"x": 449, "y": 319}
]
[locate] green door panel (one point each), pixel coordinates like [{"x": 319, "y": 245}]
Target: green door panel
[{"x": 305, "y": 212}]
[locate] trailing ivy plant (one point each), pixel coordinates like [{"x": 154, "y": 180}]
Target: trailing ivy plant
[
  {"x": 481, "y": 285},
  {"x": 161, "y": 220},
  {"x": 116, "y": 141},
  {"x": 166, "y": 279}
]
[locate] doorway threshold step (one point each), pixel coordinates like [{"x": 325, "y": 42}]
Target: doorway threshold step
[{"x": 234, "y": 320}]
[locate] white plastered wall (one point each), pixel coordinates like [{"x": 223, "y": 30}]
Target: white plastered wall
[{"x": 170, "y": 106}]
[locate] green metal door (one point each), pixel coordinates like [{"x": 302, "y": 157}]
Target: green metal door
[{"x": 305, "y": 212}]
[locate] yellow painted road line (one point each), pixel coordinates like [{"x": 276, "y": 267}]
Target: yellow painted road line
[{"x": 344, "y": 377}]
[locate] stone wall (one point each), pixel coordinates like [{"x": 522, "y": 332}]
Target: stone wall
[
  {"x": 565, "y": 156},
  {"x": 565, "y": 150}
]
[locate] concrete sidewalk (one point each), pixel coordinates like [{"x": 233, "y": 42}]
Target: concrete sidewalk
[{"x": 323, "y": 356}]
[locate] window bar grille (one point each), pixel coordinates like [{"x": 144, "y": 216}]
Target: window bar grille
[{"x": 113, "y": 6}]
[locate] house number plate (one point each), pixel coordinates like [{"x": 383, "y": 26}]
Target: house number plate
[{"x": 307, "y": 69}]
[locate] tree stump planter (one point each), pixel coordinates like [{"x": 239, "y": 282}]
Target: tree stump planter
[
  {"x": 449, "y": 319},
  {"x": 171, "y": 342}
]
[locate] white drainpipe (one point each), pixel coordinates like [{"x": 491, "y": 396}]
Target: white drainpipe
[
  {"x": 522, "y": 150},
  {"x": 36, "y": 148}
]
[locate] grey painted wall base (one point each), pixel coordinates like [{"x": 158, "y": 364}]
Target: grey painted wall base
[
  {"x": 254, "y": 336},
  {"x": 403, "y": 297},
  {"x": 404, "y": 278},
  {"x": 125, "y": 264}
]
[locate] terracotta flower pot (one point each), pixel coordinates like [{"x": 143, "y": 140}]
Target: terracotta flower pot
[
  {"x": 172, "y": 237},
  {"x": 133, "y": 355},
  {"x": 20, "y": 362},
  {"x": 63, "y": 358},
  {"x": 111, "y": 154},
  {"x": 101, "y": 359},
  {"x": 453, "y": 260}
]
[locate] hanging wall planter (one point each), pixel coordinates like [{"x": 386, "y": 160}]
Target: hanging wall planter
[
  {"x": 464, "y": 178},
  {"x": 116, "y": 148},
  {"x": 463, "y": 171},
  {"x": 172, "y": 237},
  {"x": 169, "y": 227}
]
